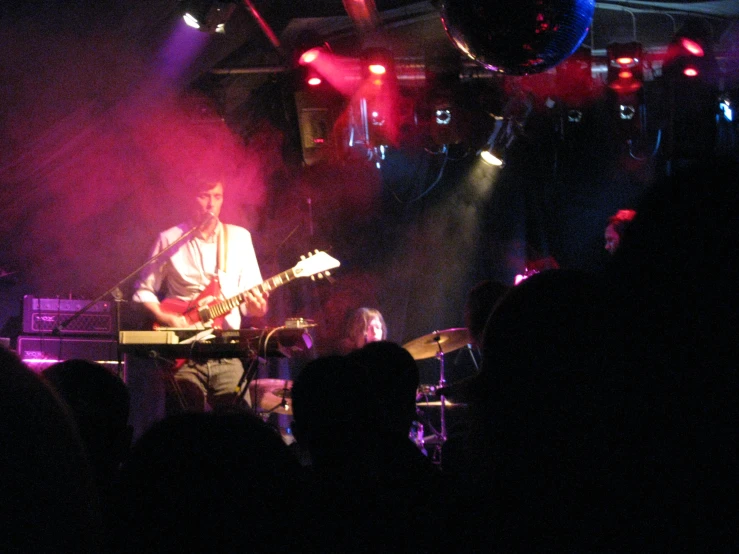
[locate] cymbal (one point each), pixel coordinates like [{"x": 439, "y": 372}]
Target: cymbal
[
  {"x": 437, "y": 404},
  {"x": 428, "y": 346},
  {"x": 272, "y": 395}
]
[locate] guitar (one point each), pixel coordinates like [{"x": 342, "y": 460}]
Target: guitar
[{"x": 212, "y": 314}]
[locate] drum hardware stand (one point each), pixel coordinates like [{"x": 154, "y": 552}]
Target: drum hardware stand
[
  {"x": 168, "y": 365},
  {"x": 439, "y": 435},
  {"x": 250, "y": 372},
  {"x": 427, "y": 346},
  {"x": 442, "y": 437}
]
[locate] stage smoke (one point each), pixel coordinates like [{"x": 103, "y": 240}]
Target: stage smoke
[{"x": 517, "y": 37}]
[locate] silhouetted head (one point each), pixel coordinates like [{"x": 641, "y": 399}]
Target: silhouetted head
[
  {"x": 46, "y": 486},
  {"x": 547, "y": 323},
  {"x": 331, "y": 398},
  {"x": 217, "y": 482},
  {"x": 393, "y": 380},
  {"x": 100, "y": 403}
]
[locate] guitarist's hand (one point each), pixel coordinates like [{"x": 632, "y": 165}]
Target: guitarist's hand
[
  {"x": 256, "y": 303},
  {"x": 166, "y": 319},
  {"x": 174, "y": 320}
]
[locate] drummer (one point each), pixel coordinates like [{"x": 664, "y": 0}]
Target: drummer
[{"x": 365, "y": 325}]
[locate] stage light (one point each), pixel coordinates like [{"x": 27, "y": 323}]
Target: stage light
[
  {"x": 625, "y": 73},
  {"x": 309, "y": 56},
  {"x": 574, "y": 116},
  {"x": 625, "y": 80},
  {"x": 625, "y": 61},
  {"x": 692, "y": 47},
  {"x": 691, "y": 79},
  {"x": 318, "y": 104},
  {"x": 377, "y": 69},
  {"x": 208, "y": 16},
  {"x": 378, "y": 62},
  {"x": 377, "y": 119},
  {"x": 726, "y": 108},
  {"x": 443, "y": 116},
  {"x": 492, "y": 156},
  {"x": 493, "y": 153},
  {"x": 378, "y": 98},
  {"x": 626, "y": 111},
  {"x": 445, "y": 121}
]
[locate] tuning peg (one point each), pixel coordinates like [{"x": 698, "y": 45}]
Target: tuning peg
[
  {"x": 316, "y": 250},
  {"x": 302, "y": 257},
  {"x": 327, "y": 273},
  {"x": 312, "y": 277}
]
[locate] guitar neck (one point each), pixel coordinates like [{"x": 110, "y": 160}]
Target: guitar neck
[{"x": 222, "y": 308}]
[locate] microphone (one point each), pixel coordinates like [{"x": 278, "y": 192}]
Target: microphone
[{"x": 207, "y": 220}]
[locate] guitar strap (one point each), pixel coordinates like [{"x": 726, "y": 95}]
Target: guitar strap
[{"x": 222, "y": 251}]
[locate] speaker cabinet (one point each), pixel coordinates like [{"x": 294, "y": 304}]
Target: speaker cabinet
[
  {"x": 45, "y": 315},
  {"x": 39, "y": 352}
]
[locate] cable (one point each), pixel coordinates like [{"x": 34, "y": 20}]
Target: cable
[
  {"x": 431, "y": 186},
  {"x": 654, "y": 150}
]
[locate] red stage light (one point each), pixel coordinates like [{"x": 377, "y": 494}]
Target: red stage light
[
  {"x": 690, "y": 71},
  {"x": 377, "y": 69},
  {"x": 309, "y": 56},
  {"x": 692, "y": 47},
  {"x": 314, "y": 81},
  {"x": 625, "y": 72},
  {"x": 627, "y": 85}
]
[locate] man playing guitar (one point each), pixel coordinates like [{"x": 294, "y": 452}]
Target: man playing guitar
[{"x": 217, "y": 261}]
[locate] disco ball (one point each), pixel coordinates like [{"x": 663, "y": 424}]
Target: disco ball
[{"x": 517, "y": 37}]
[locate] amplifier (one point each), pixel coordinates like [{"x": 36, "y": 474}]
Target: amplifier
[
  {"x": 40, "y": 352},
  {"x": 44, "y": 315}
]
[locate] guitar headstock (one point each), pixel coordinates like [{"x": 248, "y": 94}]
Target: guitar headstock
[{"x": 315, "y": 264}]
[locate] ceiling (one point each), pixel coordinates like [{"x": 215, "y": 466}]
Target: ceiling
[
  {"x": 410, "y": 26},
  {"x": 62, "y": 57},
  {"x": 413, "y": 31}
]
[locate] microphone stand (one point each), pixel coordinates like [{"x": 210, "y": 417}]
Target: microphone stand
[{"x": 117, "y": 295}]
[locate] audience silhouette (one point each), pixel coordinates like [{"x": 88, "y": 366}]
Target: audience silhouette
[
  {"x": 373, "y": 489},
  {"x": 49, "y": 502},
  {"x": 533, "y": 459},
  {"x": 674, "y": 280},
  {"x": 99, "y": 402},
  {"x": 219, "y": 481}
]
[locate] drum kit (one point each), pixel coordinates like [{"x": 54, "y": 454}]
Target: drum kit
[
  {"x": 274, "y": 396},
  {"x": 271, "y": 396},
  {"x": 434, "y": 345}
]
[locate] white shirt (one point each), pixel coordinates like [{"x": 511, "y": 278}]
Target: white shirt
[{"x": 185, "y": 271}]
